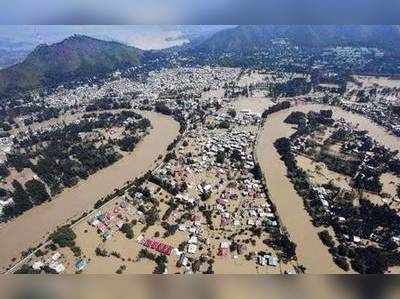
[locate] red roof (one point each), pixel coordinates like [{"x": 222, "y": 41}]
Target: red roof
[
  {"x": 223, "y": 251},
  {"x": 158, "y": 246}
]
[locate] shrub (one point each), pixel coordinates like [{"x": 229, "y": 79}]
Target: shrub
[
  {"x": 101, "y": 252},
  {"x": 76, "y": 250},
  {"x": 342, "y": 263},
  {"x": 37, "y": 191},
  {"x": 326, "y": 238},
  {"x": 63, "y": 237}
]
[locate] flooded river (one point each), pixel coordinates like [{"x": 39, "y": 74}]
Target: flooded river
[
  {"x": 310, "y": 250},
  {"x": 33, "y": 226}
]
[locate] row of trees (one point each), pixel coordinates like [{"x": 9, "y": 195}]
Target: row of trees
[
  {"x": 290, "y": 88},
  {"x": 34, "y": 193},
  {"x": 275, "y": 108},
  {"x": 364, "y": 220},
  {"x": 44, "y": 114},
  {"x": 63, "y": 158},
  {"x": 108, "y": 103}
]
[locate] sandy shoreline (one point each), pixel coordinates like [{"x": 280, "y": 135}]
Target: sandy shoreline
[{"x": 32, "y": 227}]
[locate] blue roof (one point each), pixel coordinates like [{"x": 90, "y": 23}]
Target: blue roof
[{"x": 81, "y": 264}]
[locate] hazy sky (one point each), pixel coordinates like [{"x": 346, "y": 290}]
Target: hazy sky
[
  {"x": 200, "y": 12},
  {"x": 141, "y": 36}
]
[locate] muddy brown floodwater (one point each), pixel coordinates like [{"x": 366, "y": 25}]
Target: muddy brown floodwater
[
  {"x": 310, "y": 250},
  {"x": 32, "y": 227}
]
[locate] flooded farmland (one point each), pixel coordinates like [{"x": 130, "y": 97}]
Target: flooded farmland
[
  {"x": 310, "y": 250},
  {"x": 253, "y": 104},
  {"x": 32, "y": 227}
]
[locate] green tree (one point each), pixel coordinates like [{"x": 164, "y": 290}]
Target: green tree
[
  {"x": 37, "y": 191},
  {"x": 64, "y": 236},
  {"x": 232, "y": 113},
  {"x": 220, "y": 157},
  {"x": 127, "y": 230},
  {"x": 21, "y": 198},
  {"x": 161, "y": 261}
]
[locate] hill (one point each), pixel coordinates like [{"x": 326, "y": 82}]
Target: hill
[
  {"x": 74, "y": 58},
  {"x": 249, "y": 37}
]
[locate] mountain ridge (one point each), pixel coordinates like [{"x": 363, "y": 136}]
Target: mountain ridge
[
  {"x": 76, "y": 57},
  {"x": 80, "y": 56},
  {"x": 246, "y": 37}
]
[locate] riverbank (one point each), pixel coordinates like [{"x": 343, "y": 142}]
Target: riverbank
[
  {"x": 310, "y": 250},
  {"x": 32, "y": 228}
]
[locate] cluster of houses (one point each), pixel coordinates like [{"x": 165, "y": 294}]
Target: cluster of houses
[
  {"x": 267, "y": 259},
  {"x": 218, "y": 163},
  {"x": 195, "y": 79},
  {"x": 227, "y": 142},
  {"x": 6, "y": 146},
  {"x": 247, "y": 117},
  {"x": 56, "y": 264},
  {"x": 53, "y": 263},
  {"x": 243, "y": 117},
  {"x": 187, "y": 83},
  {"x": 86, "y": 93},
  {"x": 4, "y": 203},
  {"x": 163, "y": 83},
  {"x": 378, "y": 103},
  {"x": 210, "y": 176},
  {"x": 368, "y": 160},
  {"x": 107, "y": 222},
  {"x": 377, "y": 112}
]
